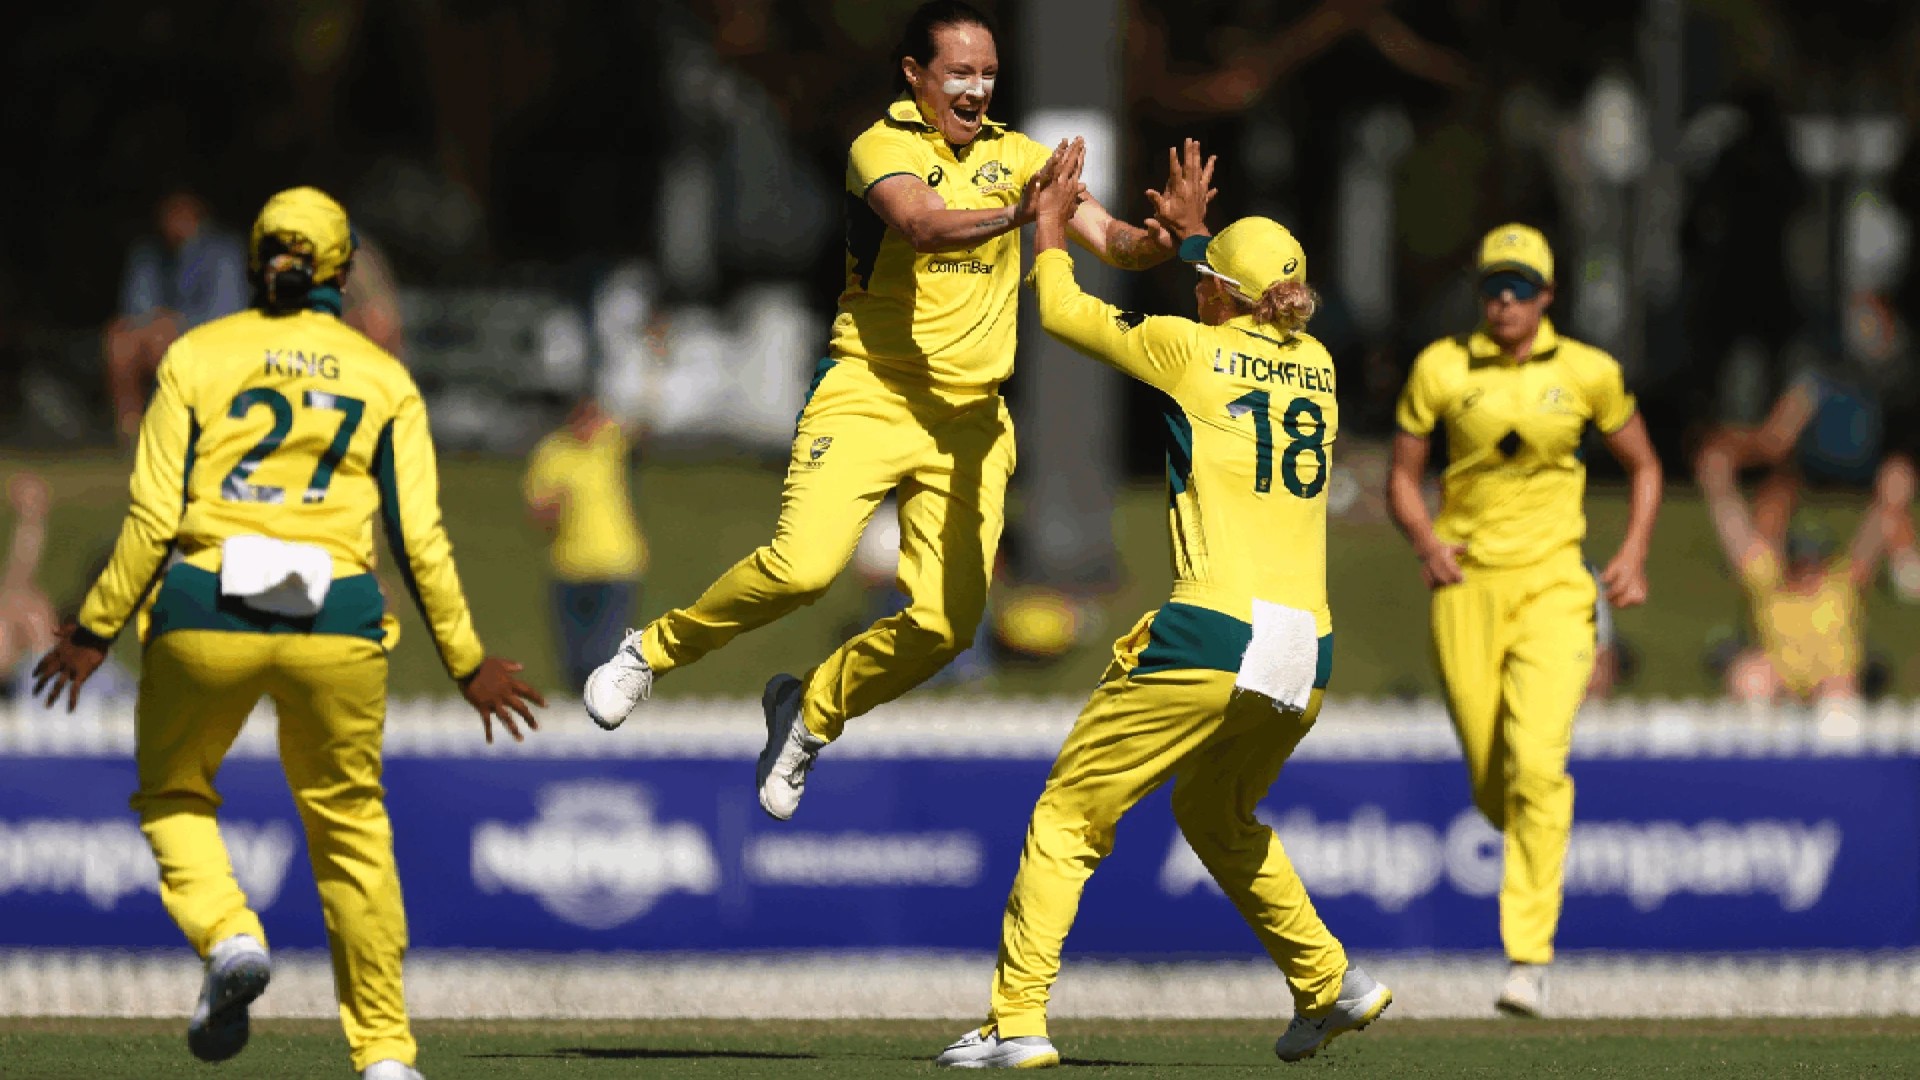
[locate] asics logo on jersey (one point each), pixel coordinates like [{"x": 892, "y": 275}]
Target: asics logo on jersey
[
  {"x": 1472, "y": 399},
  {"x": 938, "y": 174},
  {"x": 1555, "y": 400},
  {"x": 295, "y": 362},
  {"x": 1127, "y": 320}
]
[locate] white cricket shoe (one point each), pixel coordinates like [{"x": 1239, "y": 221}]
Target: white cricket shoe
[
  {"x": 1362, "y": 999},
  {"x": 617, "y": 686},
  {"x": 1525, "y": 994},
  {"x": 791, "y": 749},
  {"x": 390, "y": 1069},
  {"x": 238, "y": 970},
  {"x": 977, "y": 1050}
]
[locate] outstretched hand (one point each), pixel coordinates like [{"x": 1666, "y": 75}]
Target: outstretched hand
[
  {"x": 1181, "y": 211},
  {"x": 495, "y": 692},
  {"x": 1056, "y": 189},
  {"x": 66, "y": 668}
]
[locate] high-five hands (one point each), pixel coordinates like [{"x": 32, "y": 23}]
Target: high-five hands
[
  {"x": 1181, "y": 211},
  {"x": 1057, "y": 190}
]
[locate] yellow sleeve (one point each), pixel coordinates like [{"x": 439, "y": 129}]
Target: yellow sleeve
[
  {"x": 876, "y": 155},
  {"x": 1423, "y": 399},
  {"x": 1760, "y": 571},
  {"x": 159, "y": 493},
  {"x": 410, "y": 509},
  {"x": 1607, "y": 394},
  {"x": 1154, "y": 350}
]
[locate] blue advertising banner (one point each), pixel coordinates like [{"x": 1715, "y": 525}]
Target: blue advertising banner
[{"x": 674, "y": 854}]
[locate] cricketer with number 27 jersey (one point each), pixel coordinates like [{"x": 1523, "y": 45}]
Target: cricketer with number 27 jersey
[
  {"x": 1250, "y": 424},
  {"x": 298, "y": 428}
]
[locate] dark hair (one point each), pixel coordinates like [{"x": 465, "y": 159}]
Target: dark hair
[{"x": 917, "y": 40}]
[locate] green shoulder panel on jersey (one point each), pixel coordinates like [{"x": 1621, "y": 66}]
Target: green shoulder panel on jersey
[
  {"x": 820, "y": 370},
  {"x": 1185, "y": 636},
  {"x": 190, "y": 599}
]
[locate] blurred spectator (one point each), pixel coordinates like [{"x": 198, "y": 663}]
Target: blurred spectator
[
  {"x": 372, "y": 299},
  {"x": 27, "y": 618},
  {"x": 1834, "y": 431},
  {"x": 192, "y": 272},
  {"x": 1808, "y": 620},
  {"x": 576, "y": 487}
]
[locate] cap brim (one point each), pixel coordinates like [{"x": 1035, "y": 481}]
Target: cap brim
[
  {"x": 1194, "y": 248},
  {"x": 1522, "y": 269}
]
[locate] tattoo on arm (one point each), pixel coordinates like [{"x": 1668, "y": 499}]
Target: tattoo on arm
[
  {"x": 992, "y": 226},
  {"x": 1130, "y": 248}
]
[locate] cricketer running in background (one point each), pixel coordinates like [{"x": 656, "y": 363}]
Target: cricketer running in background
[{"x": 1215, "y": 689}]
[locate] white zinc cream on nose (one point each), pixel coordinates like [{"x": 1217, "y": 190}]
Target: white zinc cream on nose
[{"x": 977, "y": 84}]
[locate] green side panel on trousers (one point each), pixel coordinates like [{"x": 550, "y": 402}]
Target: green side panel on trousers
[
  {"x": 190, "y": 600},
  {"x": 1185, "y": 636}
]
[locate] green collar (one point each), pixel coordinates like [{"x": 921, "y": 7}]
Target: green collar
[
  {"x": 1545, "y": 342},
  {"x": 905, "y": 111}
]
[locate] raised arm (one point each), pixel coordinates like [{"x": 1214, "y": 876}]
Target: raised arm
[
  {"x": 1625, "y": 577},
  {"x": 1715, "y": 472},
  {"x": 907, "y": 205},
  {"x": 1892, "y": 492},
  {"x": 1178, "y": 214},
  {"x": 1149, "y": 349}
]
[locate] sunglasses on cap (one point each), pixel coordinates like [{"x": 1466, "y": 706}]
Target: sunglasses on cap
[{"x": 1493, "y": 286}]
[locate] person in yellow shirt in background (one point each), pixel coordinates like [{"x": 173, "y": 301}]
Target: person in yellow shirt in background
[
  {"x": 1214, "y": 690},
  {"x": 1513, "y": 602},
  {"x": 275, "y": 438},
  {"x": 1808, "y": 619},
  {"x": 907, "y": 401},
  {"x": 576, "y": 487}
]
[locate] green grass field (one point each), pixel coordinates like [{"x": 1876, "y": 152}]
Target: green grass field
[
  {"x": 700, "y": 518},
  {"x": 1751, "y": 1050}
]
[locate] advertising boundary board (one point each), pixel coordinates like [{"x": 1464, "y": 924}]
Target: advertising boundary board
[{"x": 1695, "y": 831}]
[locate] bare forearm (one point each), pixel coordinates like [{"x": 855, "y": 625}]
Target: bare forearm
[
  {"x": 1408, "y": 509},
  {"x": 954, "y": 230},
  {"x": 1131, "y": 247},
  {"x": 1643, "y": 508}
]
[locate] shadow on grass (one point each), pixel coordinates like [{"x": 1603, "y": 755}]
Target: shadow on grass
[{"x": 645, "y": 1053}]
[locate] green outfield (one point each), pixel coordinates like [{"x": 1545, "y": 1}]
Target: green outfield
[
  {"x": 1750, "y": 1050},
  {"x": 700, "y": 518}
]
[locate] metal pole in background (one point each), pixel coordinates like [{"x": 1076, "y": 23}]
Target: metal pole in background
[{"x": 1070, "y": 407}]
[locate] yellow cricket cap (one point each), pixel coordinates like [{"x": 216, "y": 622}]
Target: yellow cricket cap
[
  {"x": 1517, "y": 247},
  {"x": 309, "y": 222},
  {"x": 1250, "y": 255}
]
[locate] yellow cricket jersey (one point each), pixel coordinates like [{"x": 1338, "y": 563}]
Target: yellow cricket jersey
[
  {"x": 1809, "y": 636},
  {"x": 1250, "y": 425},
  {"x": 294, "y": 427},
  {"x": 945, "y": 318},
  {"x": 1515, "y": 484},
  {"x": 596, "y": 538}
]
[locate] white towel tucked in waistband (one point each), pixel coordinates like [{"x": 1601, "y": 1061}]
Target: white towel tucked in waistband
[
  {"x": 276, "y": 576},
  {"x": 1283, "y": 657}
]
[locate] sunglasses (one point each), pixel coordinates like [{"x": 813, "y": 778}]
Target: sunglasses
[{"x": 1493, "y": 286}]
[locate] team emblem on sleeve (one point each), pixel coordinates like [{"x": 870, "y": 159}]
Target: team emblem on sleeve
[{"x": 819, "y": 447}]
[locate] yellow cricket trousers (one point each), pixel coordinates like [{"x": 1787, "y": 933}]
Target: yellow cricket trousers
[
  {"x": 863, "y": 434},
  {"x": 1515, "y": 649},
  {"x": 196, "y": 689},
  {"x": 1223, "y": 751}
]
